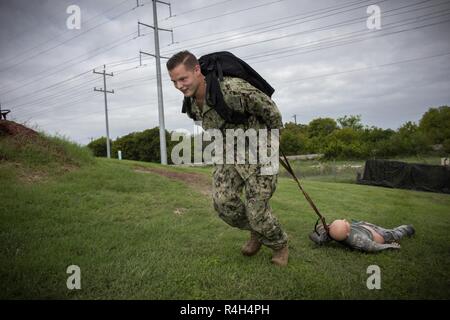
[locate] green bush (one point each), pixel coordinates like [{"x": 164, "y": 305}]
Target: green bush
[
  {"x": 98, "y": 147},
  {"x": 142, "y": 146},
  {"x": 435, "y": 124}
]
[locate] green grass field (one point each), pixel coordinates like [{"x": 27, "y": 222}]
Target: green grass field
[{"x": 136, "y": 234}]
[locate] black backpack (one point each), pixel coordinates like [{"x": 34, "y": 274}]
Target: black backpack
[{"x": 214, "y": 67}]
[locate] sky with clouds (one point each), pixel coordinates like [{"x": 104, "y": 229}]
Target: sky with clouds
[{"x": 320, "y": 56}]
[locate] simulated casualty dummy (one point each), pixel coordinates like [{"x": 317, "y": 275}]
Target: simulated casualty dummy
[{"x": 361, "y": 235}]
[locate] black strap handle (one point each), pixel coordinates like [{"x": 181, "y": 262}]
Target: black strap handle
[{"x": 288, "y": 168}]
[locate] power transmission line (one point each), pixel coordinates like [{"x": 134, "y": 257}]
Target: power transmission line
[
  {"x": 322, "y": 44},
  {"x": 62, "y": 33},
  {"x": 5, "y": 92},
  {"x": 53, "y": 85},
  {"x": 214, "y": 34},
  {"x": 67, "y": 120},
  {"x": 59, "y": 83},
  {"x": 302, "y": 79},
  {"x": 38, "y": 79},
  {"x": 255, "y": 30},
  {"x": 114, "y": 44},
  {"x": 226, "y": 14},
  {"x": 336, "y": 41},
  {"x": 247, "y": 57},
  {"x": 61, "y": 93},
  {"x": 366, "y": 68},
  {"x": 197, "y": 9},
  {"x": 342, "y": 43},
  {"x": 296, "y": 34},
  {"x": 68, "y": 104},
  {"x": 252, "y": 56},
  {"x": 42, "y": 110},
  {"x": 127, "y": 107},
  {"x": 63, "y": 42},
  {"x": 340, "y": 72},
  {"x": 347, "y": 22}
]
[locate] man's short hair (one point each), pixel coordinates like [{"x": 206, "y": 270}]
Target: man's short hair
[{"x": 182, "y": 57}]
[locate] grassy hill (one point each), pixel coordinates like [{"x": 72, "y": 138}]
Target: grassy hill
[{"x": 144, "y": 231}]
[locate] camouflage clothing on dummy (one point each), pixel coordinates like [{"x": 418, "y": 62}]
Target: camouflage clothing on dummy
[
  {"x": 229, "y": 180},
  {"x": 362, "y": 239}
]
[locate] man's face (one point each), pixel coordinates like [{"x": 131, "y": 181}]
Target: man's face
[{"x": 186, "y": 80}]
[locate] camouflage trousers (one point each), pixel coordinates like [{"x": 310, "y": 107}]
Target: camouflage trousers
[
  {"x": 254, "y": 212},
  {"x": 391, "y": 235}
]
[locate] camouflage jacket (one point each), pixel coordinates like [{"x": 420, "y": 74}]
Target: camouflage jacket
[
  {"x": 360, "y": 238},
  {"x": 240, "y": 96}
]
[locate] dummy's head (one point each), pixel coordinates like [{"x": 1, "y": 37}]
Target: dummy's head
[{"x": 339, "y": 229}]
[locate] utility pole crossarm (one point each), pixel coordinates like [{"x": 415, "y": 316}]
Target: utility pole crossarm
[
  {"x": 107, "y": 74},
  {"x": 147, "y": 25},
  {"x": 101, "y": 90},
  {"x": 154, "y": 56},
  {"x": 163, "y": 2},
  {"x": 168, "y": 4},
  {"x": 149, "y": 54},
  {"x": 154, "y": 29}
]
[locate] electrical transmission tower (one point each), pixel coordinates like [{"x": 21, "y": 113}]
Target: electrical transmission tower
[
  {"x": 108, "y": 145},
  {"x": 157, "y": 56}
]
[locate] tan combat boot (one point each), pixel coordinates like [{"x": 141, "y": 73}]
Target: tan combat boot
[
  {"x": 280, "y": 256},
  {"x": 252, "y": 246}
]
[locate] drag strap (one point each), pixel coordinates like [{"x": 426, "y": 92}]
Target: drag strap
[{"x": 288, "y": 168}]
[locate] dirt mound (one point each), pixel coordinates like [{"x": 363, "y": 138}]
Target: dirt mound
[
  {"x": 198, "y": 181},
  {"x": 32, "y": 157},
  {"x": 10, "y": 128}
]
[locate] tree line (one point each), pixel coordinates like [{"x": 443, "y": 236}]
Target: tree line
[{"x": 343, "y": 138}]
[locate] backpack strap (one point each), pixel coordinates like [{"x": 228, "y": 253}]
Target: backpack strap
[
  {"x": 219, "y": 69},
  {"x": 187, "y": 108},
  {"x": 215, "y": 98}
]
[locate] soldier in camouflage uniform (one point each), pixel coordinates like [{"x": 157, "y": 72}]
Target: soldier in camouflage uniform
[
  {"x": 362, "y": 235},
  {"x": 230, "y": 180}
]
